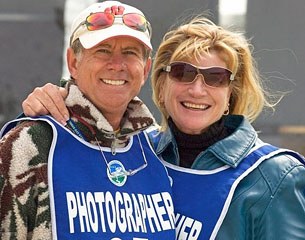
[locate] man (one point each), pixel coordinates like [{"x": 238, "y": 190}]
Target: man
[{"x": 96, "y": 177}]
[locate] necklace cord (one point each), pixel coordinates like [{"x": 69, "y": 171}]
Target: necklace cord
[{"x": 93, "y": 132}]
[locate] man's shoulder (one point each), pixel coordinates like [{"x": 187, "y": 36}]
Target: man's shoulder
[
  {"x": 20, "y": 129},
  {"x": 27, "y": 139},
  {"x": 24, "y": 152}
]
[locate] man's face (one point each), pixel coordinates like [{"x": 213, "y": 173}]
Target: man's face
[{"x": 111, "y": 74}]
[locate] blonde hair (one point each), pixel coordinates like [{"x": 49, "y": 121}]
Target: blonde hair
[{"x": 199, "y": 36}]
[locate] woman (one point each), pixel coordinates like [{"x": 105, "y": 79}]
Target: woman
[
  {"x": 228, "y": 184},
  {"x": 207, "y": 88}
]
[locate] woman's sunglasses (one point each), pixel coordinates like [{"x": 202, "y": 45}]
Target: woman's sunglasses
[
  {"x": 100, "y": 20},
  {"x": 187, "y": 73}
]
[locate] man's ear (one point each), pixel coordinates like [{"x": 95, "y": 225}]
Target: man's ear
[
  {"x": 147, "y": 69},
  {"x": 72, "y": 62}
]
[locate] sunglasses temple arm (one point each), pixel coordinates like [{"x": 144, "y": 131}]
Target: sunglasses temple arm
[{"x": 75, "y": 30}]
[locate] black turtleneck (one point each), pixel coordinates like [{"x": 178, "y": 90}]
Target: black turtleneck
[{"x": 189, "y": 145}]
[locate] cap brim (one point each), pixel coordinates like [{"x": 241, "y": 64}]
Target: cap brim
[{"x": 92, "y": 38}]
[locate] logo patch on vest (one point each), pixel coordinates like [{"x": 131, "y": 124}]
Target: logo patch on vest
[{"x": 117, "y": 176}]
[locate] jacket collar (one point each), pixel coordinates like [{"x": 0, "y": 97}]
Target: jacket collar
[
  {"x": 233, "y": 149},
  {"x": 229, "y": 151},
  {"x": 136, "y": 118}
]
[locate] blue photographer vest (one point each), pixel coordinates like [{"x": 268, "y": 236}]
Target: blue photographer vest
[
  {"x": 202, "y": 197},
  {"x": 87, "y": 203}
]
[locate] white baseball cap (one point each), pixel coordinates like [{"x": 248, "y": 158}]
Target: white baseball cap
[{"x": 90, "y": 38}]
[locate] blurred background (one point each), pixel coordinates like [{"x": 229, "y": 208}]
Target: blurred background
[{"x": 32, "y": 43}]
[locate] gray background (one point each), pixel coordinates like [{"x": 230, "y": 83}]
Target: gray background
[{"x": 31, "y": 54}]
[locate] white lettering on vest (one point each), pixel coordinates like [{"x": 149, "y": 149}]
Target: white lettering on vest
[
  {"x": 104, "y": 211},
  {"x": 187, "y": 228}
]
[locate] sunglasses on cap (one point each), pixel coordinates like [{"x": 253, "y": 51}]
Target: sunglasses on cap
[
  {"x": 212, "y": 76},
  {"x": 100, "y": 20}
]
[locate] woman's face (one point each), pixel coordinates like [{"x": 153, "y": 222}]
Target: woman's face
[{"x": 195, "y": 106}]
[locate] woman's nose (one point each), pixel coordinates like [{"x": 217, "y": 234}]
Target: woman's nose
[{"x": 198, "y": 86}]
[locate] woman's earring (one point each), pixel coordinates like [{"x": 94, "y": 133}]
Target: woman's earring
[
  {"x": 160, "y": 100},
  {"x": 226, "y": 112}
]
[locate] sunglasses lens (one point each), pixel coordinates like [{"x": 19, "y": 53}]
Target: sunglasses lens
[
  {"x": 183, "y": 72},
  {"x": 135, "y": 21},
  {"x": 216, "y": 76},
  {"x": 213, "y": 77},
  {"x": 99, "y": 20}
]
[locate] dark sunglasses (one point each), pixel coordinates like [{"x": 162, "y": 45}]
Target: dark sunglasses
[
  {"x": 187, "y": 73},
  {"x": 100, "y": 20}
]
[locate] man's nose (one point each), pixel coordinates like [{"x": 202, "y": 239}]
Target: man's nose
[{"x": 116, "y": 62}]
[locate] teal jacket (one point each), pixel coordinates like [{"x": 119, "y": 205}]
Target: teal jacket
[{"x": 269, "y": 203}]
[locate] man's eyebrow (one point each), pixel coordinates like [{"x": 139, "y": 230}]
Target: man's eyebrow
[
  {"x": 132, "y": 48},
  {"x": 105, "y": 45},
  {"x": 138, "y": 49}
]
